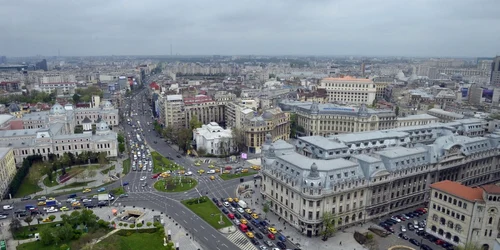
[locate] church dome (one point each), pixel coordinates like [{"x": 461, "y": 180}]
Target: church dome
[
  {"x": 13, "y": 107},
  {"x": 102, "y": 126},
  {"x": 57, "y": 109},
  {"x": 267, "y": 115},
  {"x": 107, "y": 105}
]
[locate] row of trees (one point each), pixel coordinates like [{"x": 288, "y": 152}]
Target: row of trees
[
  {"x": 23, "y": 172},
  {"x": 85, "y": 94},
  {"x": 121, "y": 143},
  {"x": 31, "y": 97}
]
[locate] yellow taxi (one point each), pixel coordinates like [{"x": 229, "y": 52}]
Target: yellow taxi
[
  {"x": 76, "y": 204},
  {"x": 273, "y": 230},
  {"x": 197, "y": 163},
  {"x": 249, "y": 234},
  {"x": 46, "y": 220},
  {"x": 226, "y": 172},
  {"x": 87, "y": 190},
  {"x": 217, "y": 170},
  {"x": 212, "y": 178},
  {"x": 165, "y": 175},
  {"x": 255, "y": 216},
  {"x": 236, "y": 199},
  {"x": 229, "y": 199},
  {"x": 201, "y": 171},
  {"x": 248, "y": 210},
  {"x": 64, "y": 209},
  {"x": 182, "y": 172},
  {"x": 41, "y": 203},
  {"x": 51, "y": 199},
  {"x": 243, "y": 221},
  {"x": 244, "y": 170},
  {"x": 211, "y": 166},
  {"x": 254, "y": 167}
]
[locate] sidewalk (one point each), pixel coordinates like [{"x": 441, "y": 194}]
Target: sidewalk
[{"x": 341, "y": 240}]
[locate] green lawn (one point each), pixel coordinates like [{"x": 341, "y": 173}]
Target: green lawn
[
  {"x": 185, "y": 185},
  {"x": 48, "y": 183},
  {"x": 132, "y": 240},
  {"x": 27, "y": 188},
  {"x": 238, "y": 175},
  {"x": 37, "y": 245},
  {"x": 208, "y": 211},
  {"x": 72, "y": 191},
  {"x": 106, "y": 171},
  {"x": 126, "y": 166},
  {"x": 75, "y": 185},
  {"x": 162, "y": 164}
]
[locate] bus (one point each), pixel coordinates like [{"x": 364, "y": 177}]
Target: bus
[{"x": 138, "y": 138}]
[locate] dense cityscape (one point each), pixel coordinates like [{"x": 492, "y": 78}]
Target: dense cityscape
[{"x": 263, "y": 125}]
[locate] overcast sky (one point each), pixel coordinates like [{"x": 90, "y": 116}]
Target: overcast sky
[{"x": 242, "y": 27}]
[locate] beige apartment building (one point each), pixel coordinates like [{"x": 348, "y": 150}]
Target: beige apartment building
[
  {"x": 416, "y": 120},
  {"x": 332, "y": 119},
  {"x": 7, "y": 169},
  {"x": 459, "y": 214},
  {"x": 272, "y": 121},
  {"x": 176, "y": 111},
  {"x": 350, "y": 90}
]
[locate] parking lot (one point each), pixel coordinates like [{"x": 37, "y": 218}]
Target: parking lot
[{"x": 408, "y": 228}]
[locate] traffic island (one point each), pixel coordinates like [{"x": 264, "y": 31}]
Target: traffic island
[
  {"x": 206, "y": 209},
  {"x": 175, "y": 184}
]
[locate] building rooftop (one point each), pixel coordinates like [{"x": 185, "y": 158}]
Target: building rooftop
[
  {"x": 447, "y": 113},
  {"x": 491, "y": 189},
  {"x": 5, "y": 118},
  {"x": 174, "y": 97},
  {"x": 3, "y": 152},
  {"x": 323, "y": 142},
  {"x": 456, "y": 189},
  {"x": 401, "y": 151},
  {"x": 347, "y": 78},
  {"x": 417, "y": 117},
  {"x": 305, "y": 162},
  {"x": 370, "y": 135}
]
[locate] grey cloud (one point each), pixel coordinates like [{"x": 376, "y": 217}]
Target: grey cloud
[{"x": 321, "y": 27}]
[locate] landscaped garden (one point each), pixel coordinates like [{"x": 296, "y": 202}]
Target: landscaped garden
[
  {"x": 106, "y": 171},
  {"x": 162, "y": 164},
  {"x": 175, "y": 184},
  {"x": 75, "y": 185},
  {"x": 126, "y": 166},
  {"x": 208, "y": 211},
  {"x": 75, "y": 231},
  {"x": 237, "y": 175},
  {"x": 144, "y": 239}
]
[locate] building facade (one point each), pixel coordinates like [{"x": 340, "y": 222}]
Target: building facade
[
  {"x": 416, "y": 120},
  {"x": 214, "y": 140},
  {"x": 272, "y": 121},
  {"x": 7, "y": 169},
  {"x": 459, "y": 214},
  {"x": 107, "y": 112},
  {"x": 366, "y": 175},
  {"x": 495, "y": 72},
  {"x": 444, "y": 116},
  {"x": 350, "y": 90},
  {"x": 331, "y": 119},
  {"x": 177, "y": 111}
]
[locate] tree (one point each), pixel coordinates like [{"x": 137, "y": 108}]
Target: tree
[
  {"x": 28, "y": 220},
  {"x": 120, "y": 138},
  {"x": 15, "y": 225},
  {"x": 184, "y": 138},
  {"x": 265, "y": 208},
  {"x": 121, "y": 148},
  {"x": 396, "y": 111},
  {"x": 328, "y": 225},
  {"x": 35, "y": 174},
  {"x": 76, "y": 98},
  {"x": 65, "y": 159},
  {"x": 238, "y": 138},
  {"x": 168, "y": 133},
  {"x": 46, "y": 236},
  {"x": 102, "y": 159},
  {"x": 194, "y": 123},
  {"x": 470, "y": 246}
]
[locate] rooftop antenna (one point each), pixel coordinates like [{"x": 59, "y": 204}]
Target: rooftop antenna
[{"x": 171, "y": 50}]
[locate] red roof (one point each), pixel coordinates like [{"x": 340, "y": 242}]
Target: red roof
[
  {"x": 154, "y": 85},
  {"x": 459, "y": 190},
  {"x": 197, "y": 99}
]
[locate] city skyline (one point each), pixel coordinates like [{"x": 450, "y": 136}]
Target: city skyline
[{"x": 384, "y": 28}]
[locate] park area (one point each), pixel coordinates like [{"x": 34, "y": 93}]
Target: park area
[
  {"x": 162, "y": 164},
  {"x": 207, "y": 210},
  {"x": 237, "y": 175},
  {"x": 175, "y": 184},
  {"x": 144, "y": 239}
]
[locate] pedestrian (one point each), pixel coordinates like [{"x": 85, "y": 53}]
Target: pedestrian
[{"x": 341, "y": 243}]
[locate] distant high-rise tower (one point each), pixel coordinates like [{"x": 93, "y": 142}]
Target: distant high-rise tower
[
  {"x": 42, "y": 65},
  {"x": 495, "y": 72},
  {"x": 3, "y": 59}
]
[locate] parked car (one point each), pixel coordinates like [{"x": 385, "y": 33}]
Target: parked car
[
  {"x": 403, "y": 236},
  {"x": 415, "y": 242}
]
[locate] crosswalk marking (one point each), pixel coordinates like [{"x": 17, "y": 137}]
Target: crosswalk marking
[{"x": 241, "y": 241}]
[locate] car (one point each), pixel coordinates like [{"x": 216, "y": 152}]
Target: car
[
  {"x": 155, "y": 176},
  {"x": 281, "y": 245},
  {"x": 403, "y": 236},
  {"x": 254, "y": 241},
  {"x": 201, "y": 171},
  {"x": 247, "y": 216},
  {"x": 101, "y": 189},
  {"x": 255, "y": 216},
  {"x": 390, "y": 229},
  {"x": 439, "y": 242},
  {"x": 425, "y": 247},
  {"x": 225, "y": 211},
  {"x": 86, "y": 200},
  {"x": 25, "y": 198},
  {"x": 248, "y": 211},
  {"x": 123, "y": 195},
  {"x": 229, "y": 199},
  {"x": 144, "y": 184},
  {"x": 259, "y": 236},
  {"x": 178, "y": 156},
  {"x": 396, "y": 219},
  {"x": 3, "y": 216},
  {"x": 250, "y": 235},
  {"x": 401, "y": 217},
  {"x": 64, "y": 209},
  {"x": 226, "y": 204},
  {"x": 411, "y": 227},
  {"x": 76, "y": 204},
  {"x": 243, "y": 221},
  {"x": 211, "y": 171},
  {"x": 41, "y": 203},
  {"x": 214, "y": 200},
  {"x": 272, "y": 230},
  {"x": 125, "y": 184},
  {"x": 415, "y": 242},
  {"x": 262, "y": 247},
  {"x": 188, "y": 173},
  {"x": 143, "y": 178},
  {"x": 52, "y": 210},
  {"x": 70, "y": 200},
  {"x": 87, "y": 190},
  {"x": 405, "y": 216},
  {"x": 403, "y": 228},
  {"x": 240, "y": 210},
  {"x": 8, "y": 207},
  {"x": 264, "y": 223},
  {"x": 236, "y": 222},
  {"x": 271, "y": 236},
  {"x": 238, "y": 216},
  {"x": 43, "y": 198}
]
